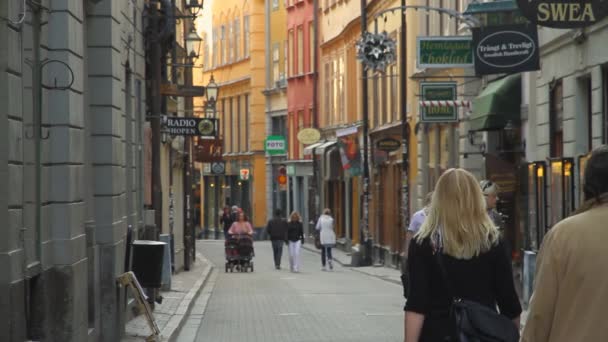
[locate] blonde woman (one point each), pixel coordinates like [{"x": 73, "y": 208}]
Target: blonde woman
[
  {"x": 459, "y": 228},
  {"x": 295, "y": 238}
]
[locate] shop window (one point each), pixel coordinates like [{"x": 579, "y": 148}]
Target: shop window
[
  {"x": 536, "y": 226},
  {"x": 556, "y": 120},
  {"x": 562, "y": 189}
]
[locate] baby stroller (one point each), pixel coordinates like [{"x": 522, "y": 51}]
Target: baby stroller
[{"x": 239, "y": 252}]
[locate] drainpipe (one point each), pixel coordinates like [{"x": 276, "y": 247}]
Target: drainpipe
[
  {"x": 405, "y": 129},
  {"x": 315, "y": 116}
]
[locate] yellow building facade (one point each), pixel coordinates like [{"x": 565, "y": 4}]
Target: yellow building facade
[{"x": 235, "y": 57}]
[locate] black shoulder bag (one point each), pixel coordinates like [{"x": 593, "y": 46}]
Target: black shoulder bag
[{"x": 476, "y": 322}]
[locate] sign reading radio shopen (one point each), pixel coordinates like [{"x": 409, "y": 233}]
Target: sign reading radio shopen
[{"x": 203, "y": 127}]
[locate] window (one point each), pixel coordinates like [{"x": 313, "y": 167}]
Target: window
[
  {"x": 215, "y": 51},
  {"x": 394, "y": 107},
  {"x": 290, "y": 53},
  {"x": 235, "y": 125},
  {"x": 230, "y": 43},
  {"x": 311, "y": 48},
  {"x": 290, "y": 139},
  {"x": 340, "y": 82},
  {"x": 224, "y": 123},
  {"x": 286, "y": 57},
  {"x": 239, "y": 124},
  {"x": 279, "y": 125},
  {"x": 223, "y": 45},
  {"x": 275, "y": 5},
  {"x": 556, "y": 122},
  {"x": 237, "y": 38},
  {"x": 605, "y": 106},
  {"x": 275, "y": 62},
  {"x": 246, "y": 36},
  {"x": 327, "y": 92},
  {"x": 300, "y": 50},
  {"x": 247, "y": 122},
  {"x": 300, "y": 126}
]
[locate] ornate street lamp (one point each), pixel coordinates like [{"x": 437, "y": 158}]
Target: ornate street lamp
[
  {"x": 194, "y": 6},
  {"x": 193, "y": 43},
  {"x": 212, "y": 90}
]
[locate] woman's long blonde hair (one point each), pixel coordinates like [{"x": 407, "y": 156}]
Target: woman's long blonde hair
[
  {"x": 295, "y": 216},
  {"x": 458, "y": 217}
]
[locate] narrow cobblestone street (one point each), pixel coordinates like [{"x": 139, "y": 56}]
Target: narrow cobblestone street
[{"x": 270, "y": 305}]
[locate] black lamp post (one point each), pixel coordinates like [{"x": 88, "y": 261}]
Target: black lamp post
[{"x": 211, "y": 93}]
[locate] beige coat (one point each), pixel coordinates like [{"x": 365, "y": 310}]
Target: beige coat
[{"x": 570, "y": 300}]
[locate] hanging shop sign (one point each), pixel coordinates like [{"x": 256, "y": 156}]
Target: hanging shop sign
[
  {"x": 244, "y": 174},
  {"x": 308, "y": 136},
  {"x": 439, "y": 92},
  {"x": 275, "y": 144},
  {"x": 202, "y": 127},
  {"x": 171, "y": 89},
  {"x": 376, "y": 50},
  {"x": 564, "y": 13},
  {"x": 445, "y": 52},
  {"x": 506, "y": 49},
  {"x": 388, "y": 144},
  {"x": 218, "y": 167},
  {"x": 350, "y": 155},
  {"x": 209, "y": 150}
]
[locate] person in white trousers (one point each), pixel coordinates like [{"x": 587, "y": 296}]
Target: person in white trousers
[{"x": 295, "y": 238}]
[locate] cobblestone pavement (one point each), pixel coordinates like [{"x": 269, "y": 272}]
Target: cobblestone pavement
[{"x": 270, "y": 305}]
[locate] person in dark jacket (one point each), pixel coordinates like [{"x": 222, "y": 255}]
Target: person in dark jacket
[
  {"x": 226, "y": 220},
  {"x": 295, "y": 238},
  {"x": 277, "y": 230},
  {"x": 458, "y": 231}
]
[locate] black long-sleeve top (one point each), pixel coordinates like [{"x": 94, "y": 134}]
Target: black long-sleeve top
[
  {"x": 486, "y": 279},
  {"x": 295, "y": 231}
]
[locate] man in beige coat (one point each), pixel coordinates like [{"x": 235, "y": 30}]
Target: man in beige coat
[{"x": 570, "y": 300}]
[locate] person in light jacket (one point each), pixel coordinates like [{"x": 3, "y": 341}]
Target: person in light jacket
[
  {"x": 571, "y": 282},
  {"x": 325, "y": 226}
]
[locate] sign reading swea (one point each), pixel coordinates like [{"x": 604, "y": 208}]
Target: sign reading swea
[
  {"x": 506, "y": 49},
  {"x": 203, "y": 127},
  {"x": 564, "y": 13},
  {"x": 445, "y": 52}
]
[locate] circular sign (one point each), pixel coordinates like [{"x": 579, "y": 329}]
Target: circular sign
[
  {"x": 388, "y": 144},
  {"x": 206, "y": 127},
  {"x": 564, "y": 13},
  {"x": 218, "y": 168},
  {"x": 506, "y": 49},
  {"x": 309, "y": 136},
  {"x": 282, "y": 179}
]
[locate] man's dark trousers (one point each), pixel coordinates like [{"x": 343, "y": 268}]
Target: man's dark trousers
[{"x": 277, "y": 250}]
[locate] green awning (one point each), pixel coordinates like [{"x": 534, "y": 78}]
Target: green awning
[
  {"x": 496, "y": 6},
  {"x": 497, "y": 104}
]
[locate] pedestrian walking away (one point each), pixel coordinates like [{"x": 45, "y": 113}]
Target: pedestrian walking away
[
  {"x": 226, "y": 220},
  {"x": 295, "y": 239},
  {"x": 414, "y": 227},
  {"x": 571, "y": 282},
  {"x": 327, "y": 236},
  {"x": 277, "y": 230},
  {"x": 456, "y": 259}
]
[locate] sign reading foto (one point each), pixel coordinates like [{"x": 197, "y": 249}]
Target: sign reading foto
[
  {"x": 445, "y": 52},
  {"x": 438, "y": 91},
  {"x": 506, "y": 49},
  {"x": 202, "y": 127},
  {"x": 275, "y": 144},
  {"x": 564, "y": 13}
]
